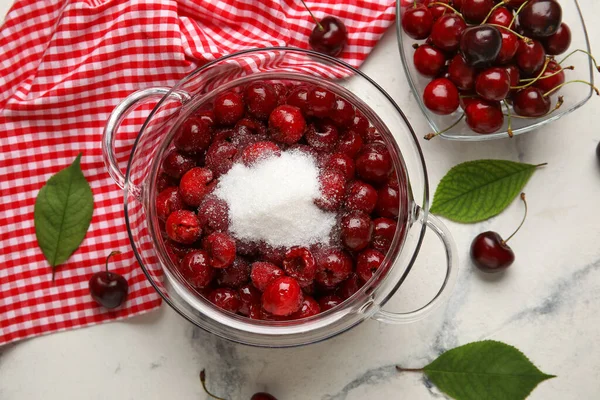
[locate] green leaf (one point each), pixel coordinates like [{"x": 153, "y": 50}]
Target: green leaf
[
  {"x": 62, "y": 214},
  {"x": 487, "y": 370},
  {"x": 477, "y": 190}
]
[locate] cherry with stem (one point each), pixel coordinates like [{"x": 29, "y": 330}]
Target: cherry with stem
[
  {"x": 517, "y": 14},
  {"x": 502, "y": 3},
  {"x": 523, "y": 38},
  {"x": 313, "y": 17},
  {"x": 534, "y": 80}
]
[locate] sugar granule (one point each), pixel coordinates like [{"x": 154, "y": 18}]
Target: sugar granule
[{"x": 273, "y": 201}]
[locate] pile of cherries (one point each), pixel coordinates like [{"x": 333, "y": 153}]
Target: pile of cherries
[
  {"x": 357, "y": 181},
  {"x": 482, "y": 54}
]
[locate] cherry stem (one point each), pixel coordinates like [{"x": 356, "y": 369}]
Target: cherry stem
[
  {"x": 571, "y": 67},
  {"x": 112, "y": 253},
  {"x": 503, "y": 2},
  {"x": 313, "y": 17},
  {"x": 523, "y": 38},
  {"x": 400, "y": 369},
  {"x": 559, "y": 103},
  {"x": 203, "y": 381},
  {"x": 534, "y": 80},
  {"x": 585, "y": 52},
  {"x": 516, "y": 14},
  {"x": 549, "y": 92},
  {"x": 509, "y": 115},
  {"x": 430, "y": 136},
  {"x": 437, "y": 3},
  {"x": 524, "y": 216},
  {"x": 415, "y": 4}
]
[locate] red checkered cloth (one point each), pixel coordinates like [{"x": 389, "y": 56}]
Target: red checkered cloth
[{"x": 64, "y": 66}]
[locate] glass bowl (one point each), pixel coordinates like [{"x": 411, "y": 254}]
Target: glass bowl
[
  {"x": 575, "y": 95},
  {"x": 154, "y": 139}
]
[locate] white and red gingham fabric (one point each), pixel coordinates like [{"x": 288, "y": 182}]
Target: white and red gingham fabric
[{"x": 64, "y": 65}]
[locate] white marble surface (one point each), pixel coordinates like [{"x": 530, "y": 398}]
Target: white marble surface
[{"x": 548, "y": 304}]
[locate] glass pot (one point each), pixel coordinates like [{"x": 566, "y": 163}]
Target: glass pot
[{"x": 200, "y": 87}]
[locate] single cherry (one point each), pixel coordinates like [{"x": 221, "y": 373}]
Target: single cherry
[
  {"x": 447, "y": 31},
  {"x": 493, "y": 84},
  {"x": 531, "y": 102},
  {"x": 461, "y": 73},
  {"x": 510, "y": 45},
  {"x": 489, "y": 251},
  {"x": 484, "y": 116},
  {"x": 300, "y": 264},
  {"x": 260, "y": 99},
  {"x": 530, "y": 57},
  {"x": 282, "y": 297},
  {"x": 329, "y": 36},
  {"x": 501, "y": 16},
  {"x": 229, "y": 108},
  {"x": 287, "y": 124},
  {"x": 182, "y": 226},
  {"x": 552, "y": 77},
  {"x": 441, "y": 96},
  {"x": 558, "y": 42},
  {"x": 428, "y": 60},
  {"x": 108, "y": 289},
  {"x": 195, "y": 268},
  {"x": 417, "y": 21},
  {"x": 541, "y": 18},
  {"x": 480, "y": 45}
]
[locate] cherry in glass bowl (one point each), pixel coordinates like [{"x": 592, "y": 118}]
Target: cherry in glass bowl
[
  {"x": 199, "y": 89},
  {"x": 574, "y": 95}
]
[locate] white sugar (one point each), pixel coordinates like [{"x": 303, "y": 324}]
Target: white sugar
[{"x": 273, "y": 201}]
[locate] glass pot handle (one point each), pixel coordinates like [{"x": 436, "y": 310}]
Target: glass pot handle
[
  {"x": 114, "y": 121},
  {"x": 442, "y": 232}
]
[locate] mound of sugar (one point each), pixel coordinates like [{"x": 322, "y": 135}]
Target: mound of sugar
[{"x": 273, "y": 201}]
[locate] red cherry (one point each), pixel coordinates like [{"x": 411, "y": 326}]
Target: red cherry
[
  {"x": 287, "y": 124},
  {"x": 213, "y": 215},
  {"x": 437, "y": 10},
  {"x": 490, "y": 253},
  {"x": 249, "y": 296},
  {"x": 167, "y": 202},
  {"x": 510, "y": 45},
  {"x": 417, "y": 22},
  {"x": 530, "y": 57},
  {"x": 183, "y": 227},
  {"x": 195, "y": 184},
  {"x": 228, "y": 108},
  {"x": 333, "y": 188},
  {"x": 374, "y": 163},
  {"x": 531, "y": 102},
  {"x": 282, "y": 297},
  {"x": 360, "y": 124},
  {"x": 384, "y": 230},
  {"x": 259, "y": 151},
  {"x": 483, "y": 116},
  {"x": 220, "y": 248},
  {"x": 300, "y": 264},
  {"x": 559, "y": 42},
  {"x": 480, "y": 45},
  {"x": 513, "y": 74},
  {"x": 194, "y": 135},
  {"x": 108, "y": 289},
  {"x": 360, "y": 196},
  {"x": 220, "y": 156},
  {"x": 235, "y": 275},
  {"x": 447, "y": 31},
  {"x": 461, "y": 73},
  {"x": 195, "y": 268},
  {"x": 342, "y": 163},
  {"x": 342, "y": 113},
  {"x": 428, "y": 60},
  {"x": 331, "y": 39},
  {"x": 356, "y": 230},
  {"x": 321, "y": 102},
  {"x": 388, "y": 201},
  {"x": 548, "y": 80},
  {"x": 262, "y": 396},
  {"x": 475, "y": 11},
  {"x": 260, "y": 99},
  {"x": 262, "y": 273},
  {"x": 308, "y": 308},
  {"x": 350, "y": 144},
  {"x": 493, "y": 84},
  {"x": 350, "y": 286},
  {"x": 322, "y": 135},
  {"x": 227, "y": 299},
  {"x": 176, "y": 164},
  {"x": 333, "y": 266},
  {"x": 501, "y": 16},
  {"x": 299, "y": 97},
  {"x": 540, "y": 18},
  {"x": 255, "y": 126},
  {"x": 368, "y": 262},
  {"x": 441, "y": 96}
]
